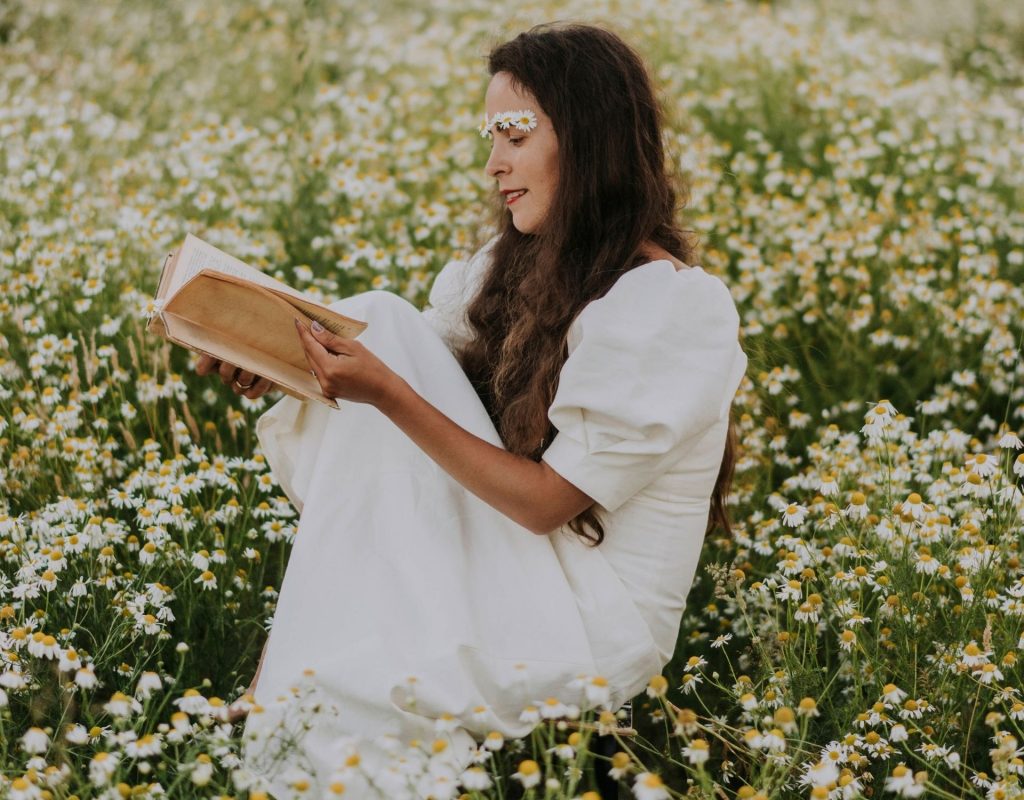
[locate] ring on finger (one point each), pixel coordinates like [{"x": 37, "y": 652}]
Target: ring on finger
[{"x": 244, "y": 386}]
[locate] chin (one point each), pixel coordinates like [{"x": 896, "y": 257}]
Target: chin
[{"x": 525, "y": 227}]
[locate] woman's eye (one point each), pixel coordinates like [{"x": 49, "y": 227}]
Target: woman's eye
[{"x": 516, "y": 139}]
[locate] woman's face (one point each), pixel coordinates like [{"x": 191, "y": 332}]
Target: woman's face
[{"x": 524, "y": 163}]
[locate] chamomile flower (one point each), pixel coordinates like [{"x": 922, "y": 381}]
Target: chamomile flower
[
  {"x": 207, "y": 580},
  {"x": 821, "y": 773},
  {"x": 793, "y": 515},
  {"x": 101, "y": 767},
  {"x": 35, "y": 740},
  {"x": 530, "y": 715},
  {"x": 904, "y": 782},
  {"x": 69, "y": 660},
  {"x": 982, "y": 465},
  {"x": 988, "y": 674},
  {"x": 144, "y": 747},
  {"x": 973, "y": 656},
  {"x": 597, "y": 691},
  {"x": 913, "y": 506},
  {"x": 657, "y": 686},
  {"x": 525, "y": 120},
  {"x": 528, "y": 774},
  {"x": 494, "y": 741},
  {"x": 86, "y": 677},
  {"x": 648, "y": 786},
  {"x": 878, "y": 421},
  {"x": 149, "y": 682},
  {"x": 120, "y": 705},
  {"x": 1010, "y": 441},
  {"x": 697, "y": 751},
  {"x": 621, "y": 764},
  {"x": 475, "y": 779}
]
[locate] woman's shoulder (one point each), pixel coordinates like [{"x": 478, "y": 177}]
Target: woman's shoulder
[
  {"x": 670, "y": 272},
  {"x": 659, "y": 294},
  {"x": 652, "y": 364}
]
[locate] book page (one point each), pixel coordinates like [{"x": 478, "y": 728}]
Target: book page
[
  {"x": 296, "y": 381},
  {"x": 196, "y": 254},
  {"x": 336, "y": 323},
  {"x": 166, "y": 271},
  {"x": 236, "y": 310}
]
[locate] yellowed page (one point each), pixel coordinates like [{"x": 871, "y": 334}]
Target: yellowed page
[
  {"x": 252, "y": 323},
  {"x": 299, "y": 383},
  {"x": 339, "y": 324},
  {"x": 334, "y": 322}
]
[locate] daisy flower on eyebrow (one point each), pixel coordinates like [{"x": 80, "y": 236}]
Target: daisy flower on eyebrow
[{"x": 524, "y": 120}]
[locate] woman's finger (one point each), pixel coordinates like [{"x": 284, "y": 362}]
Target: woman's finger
[
  {"x": 206, "y": 364},
  {"x": 259, "y": 388},
  {"x": 331, "y": 342},
  {"x": 243, "y": 381},
  {"x": 323, "y": 363},
  {"x": 227, "y": 372},
  {"x": 316, "y": 354}
]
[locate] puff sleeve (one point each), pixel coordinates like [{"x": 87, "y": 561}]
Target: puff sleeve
[
  {"x": 655, "y": 363},
  {"x": 452, "y": 290}
]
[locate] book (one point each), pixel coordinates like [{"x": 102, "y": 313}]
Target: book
[{"x": 213, "y": 303}]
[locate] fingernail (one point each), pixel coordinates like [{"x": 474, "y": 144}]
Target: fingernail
[{"x": 317, "y": 326}]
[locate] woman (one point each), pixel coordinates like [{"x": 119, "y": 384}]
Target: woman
[{"x": 517, "y": 491}]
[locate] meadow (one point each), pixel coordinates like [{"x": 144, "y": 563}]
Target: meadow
[{"x": 856, "y": 176}]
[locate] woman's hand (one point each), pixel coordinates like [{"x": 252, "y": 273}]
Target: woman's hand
[
  {"x": 345, "y": 368},
  {"x": 241, "y": 382},
  {"x": 239, "y": 709}
]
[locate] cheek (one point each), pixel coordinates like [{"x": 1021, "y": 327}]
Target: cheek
[
  {"x": 552, "y": 171},
  {"x": 552, "y": 185}
]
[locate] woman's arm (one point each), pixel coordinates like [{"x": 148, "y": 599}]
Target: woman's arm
[{"x": 530, "y": 493}]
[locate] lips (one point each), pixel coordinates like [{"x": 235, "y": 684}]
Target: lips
[{"x": 511, "y": 195}]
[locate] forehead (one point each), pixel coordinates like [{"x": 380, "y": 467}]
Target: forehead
[{"x": 503, "y": 95}]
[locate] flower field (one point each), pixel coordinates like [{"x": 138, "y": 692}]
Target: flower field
[{"x": 856, "y": 175}]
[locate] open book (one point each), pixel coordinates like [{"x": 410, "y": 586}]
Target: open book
[{"x": 213, "y": 303}]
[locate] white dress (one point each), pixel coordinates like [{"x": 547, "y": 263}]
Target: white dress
[{"x": 397, "y": 571}]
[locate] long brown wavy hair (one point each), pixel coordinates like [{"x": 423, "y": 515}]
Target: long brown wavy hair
[{"x": 614, "y": 195}]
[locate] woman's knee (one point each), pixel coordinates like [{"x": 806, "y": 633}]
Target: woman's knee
[{"x": 373, "y": 300}]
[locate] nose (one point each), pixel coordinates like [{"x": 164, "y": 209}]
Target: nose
[{"x": 497, "y": 163}]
